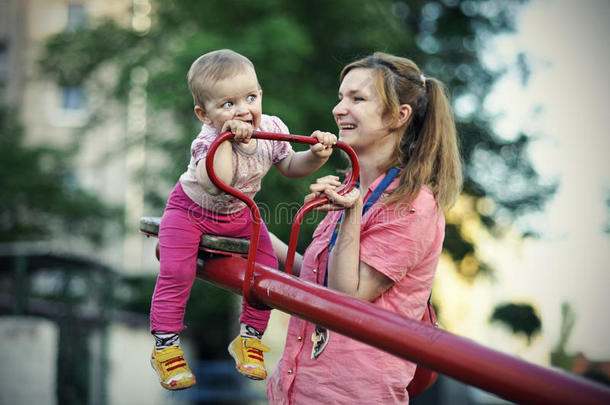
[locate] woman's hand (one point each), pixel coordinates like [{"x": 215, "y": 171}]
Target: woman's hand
[
  {"x": 324, "y": 148},
  {"x": 327, "y": 187}
]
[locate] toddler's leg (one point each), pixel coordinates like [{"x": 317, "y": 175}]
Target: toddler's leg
[
  {"x": 178, "y": 243},
  {"x": 178, "y": 246},
  {"x": 247, "y": 349},
  {"x": 256, "y": 320}
]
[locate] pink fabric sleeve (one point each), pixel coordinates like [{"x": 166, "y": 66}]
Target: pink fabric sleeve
[
  {"x": 396, "y": 240},
  {"x": 201, "y": 144}
]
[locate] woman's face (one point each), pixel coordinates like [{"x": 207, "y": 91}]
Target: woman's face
[{"x": 359, "y": 113}]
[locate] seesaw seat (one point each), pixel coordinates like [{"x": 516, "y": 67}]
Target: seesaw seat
[{"x": 215, "y": 243}]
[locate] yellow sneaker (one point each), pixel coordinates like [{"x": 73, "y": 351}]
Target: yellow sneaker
[
  {"x": 171, "y": 368},
  {"x": 248, "y": 356}
]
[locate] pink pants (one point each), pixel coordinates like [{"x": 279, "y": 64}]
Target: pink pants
[{"x": 182, "y": 225}]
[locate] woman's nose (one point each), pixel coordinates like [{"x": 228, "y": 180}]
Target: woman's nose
[{"x": 339, "y": 109}]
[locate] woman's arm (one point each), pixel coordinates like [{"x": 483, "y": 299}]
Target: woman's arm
[
  {"x": 346, "y": 273},
  {"x": 281, "y": 251}
]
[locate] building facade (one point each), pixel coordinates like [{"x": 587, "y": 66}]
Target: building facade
[{"x": 58, "y": 116}]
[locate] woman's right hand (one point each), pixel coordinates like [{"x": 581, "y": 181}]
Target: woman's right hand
[{"x": 327, "y": 187}]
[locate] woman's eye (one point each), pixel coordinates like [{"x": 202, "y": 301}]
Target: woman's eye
[
  {"x": 358, "y": 98},
  {"x": 251, "y": 98},
  {"x": 227, "y": 104}
]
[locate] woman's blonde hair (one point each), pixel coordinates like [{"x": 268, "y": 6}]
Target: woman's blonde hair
[{"x": 427, "y": 147}]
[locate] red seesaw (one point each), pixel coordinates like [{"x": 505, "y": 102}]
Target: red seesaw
[{"x": 462, "y": 359}]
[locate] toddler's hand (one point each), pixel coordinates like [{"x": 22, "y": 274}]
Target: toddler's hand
[
  {"x": 242, "y": 131},
  {"x": 324, "y": 148}
]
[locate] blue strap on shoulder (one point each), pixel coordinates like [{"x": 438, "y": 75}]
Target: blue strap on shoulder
[{"x": 385, "y": 182}]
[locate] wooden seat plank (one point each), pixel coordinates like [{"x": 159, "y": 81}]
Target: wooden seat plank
[{"x": 150, "y": 226}]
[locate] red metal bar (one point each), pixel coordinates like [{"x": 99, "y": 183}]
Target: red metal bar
[
  {"x": 256, "y": 218},
  {"x": 298, "y": 218},
  {"x": 463, "y": 359}
]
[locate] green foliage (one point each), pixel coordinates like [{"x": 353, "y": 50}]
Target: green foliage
[
  {"x": 572, "y": 362},
  {"x": 559, "y": 356},
  {"x": 299, "y": 49},
  {"x": 39, "y": 195},
  {"x": 455, "y": 244},
  {"x": 95, "y": 47},
  {"x": 521, "y": 318}
]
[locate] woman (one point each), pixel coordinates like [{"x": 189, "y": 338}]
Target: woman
[{"x": 401, "y": 127}]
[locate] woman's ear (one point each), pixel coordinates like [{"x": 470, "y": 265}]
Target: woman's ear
[
  {"x": 201, "y": 114},
  {"x": 404, "y": 113}
]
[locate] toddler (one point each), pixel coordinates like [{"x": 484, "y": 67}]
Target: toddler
[{"x": 227, "y": 97}]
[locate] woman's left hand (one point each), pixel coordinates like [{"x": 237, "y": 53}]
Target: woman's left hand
[{"x": 327, "y": 187}]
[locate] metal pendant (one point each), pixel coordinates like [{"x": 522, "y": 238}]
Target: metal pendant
[{"x": 319, "y": 338}]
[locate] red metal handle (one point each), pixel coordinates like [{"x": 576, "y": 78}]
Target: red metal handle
[{"x": 256, "y": 217}]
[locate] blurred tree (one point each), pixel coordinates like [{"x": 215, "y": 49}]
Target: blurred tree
[
  {"x": 576, "y": 362},
  {"x": 298, "y": 49},
  {"x": 39, "y": 195},
  {"x": 520, "y": 318},
  {"x": 559, "y": 356}
]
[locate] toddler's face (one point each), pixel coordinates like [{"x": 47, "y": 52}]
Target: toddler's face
[{"x": 235, "y": 98}]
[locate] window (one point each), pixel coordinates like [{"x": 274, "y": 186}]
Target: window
[
  {"x": 73, "y": 98},
  {"x": 76, "y": 17},
  {"x": 71, "y": 101}
]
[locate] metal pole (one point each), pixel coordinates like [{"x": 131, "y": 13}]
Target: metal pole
[{"x": 463, "y": 359}]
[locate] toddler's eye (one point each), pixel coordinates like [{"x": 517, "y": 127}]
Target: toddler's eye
[
  {"x": 251, "y": 98},
  {"x": 227, "y": 104}
]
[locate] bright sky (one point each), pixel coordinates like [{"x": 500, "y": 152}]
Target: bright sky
[{"x": 568, "y": 49}]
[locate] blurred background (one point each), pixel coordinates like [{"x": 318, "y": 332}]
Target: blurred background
[{"x": 95, "y": 126}]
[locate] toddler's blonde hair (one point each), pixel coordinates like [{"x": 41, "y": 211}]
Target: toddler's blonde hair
[{"x": 212, "y": 67}]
